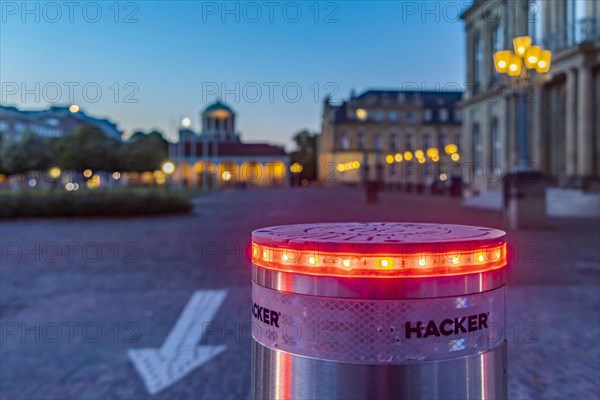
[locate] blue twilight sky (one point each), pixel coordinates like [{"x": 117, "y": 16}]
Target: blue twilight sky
[{"x": 276, "y": 60}]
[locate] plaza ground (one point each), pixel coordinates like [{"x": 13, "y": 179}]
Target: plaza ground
[{"x": 77, "y": 295}]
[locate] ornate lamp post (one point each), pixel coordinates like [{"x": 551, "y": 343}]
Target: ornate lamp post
[
  {"x": 537, "y": 62},
  {"x": 524, "y": 191}
]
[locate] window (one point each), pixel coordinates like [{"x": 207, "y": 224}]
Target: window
[
  {"x": 427, "y": 115},
  {"x": 344, "y": 142},
  {"x": 442, "y": 141},
  {"x": 377, "y": 142},
  {"x": 426, "y": 141},
  {"x": 457, "y": 116},
  {"x": 3, "y": 126},
  {"x": 408, "y": 145},
  {"x": 19, "y": 127},
  {"x": 393, "y": 116},
  {"x": 535, "y": 25},
  {"x": 393, "y": 142},
  {"x": 443, "y": 114},
  {"x": 477, "y": 62},
  {"x": 377, "y": 115},
  {"x": 409, "y": 116},
  {"x": 52, "y": 121},
  {"x": 497, "y": 45},
  {"x": 496, "y": 145},
  {"x": 361, "y": 141},
  {"x": 476, "y": 148},
  {"x": 392, "y": 169}
]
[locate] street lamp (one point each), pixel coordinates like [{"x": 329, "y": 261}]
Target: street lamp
[
  {"x": 524, "y": 190},
  {"x": 534, "y": 59}
]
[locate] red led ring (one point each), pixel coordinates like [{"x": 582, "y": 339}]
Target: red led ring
[{"x": 379, "y": 249}]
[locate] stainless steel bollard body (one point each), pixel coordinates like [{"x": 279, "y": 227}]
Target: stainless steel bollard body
[{"x": 378, "y": 310}]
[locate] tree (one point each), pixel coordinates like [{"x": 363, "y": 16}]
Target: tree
[
  {"x": 144, "y": 152},
  {"x": 306, "y": 154},
  {"x": 30, "y": 153},
  {"x": 87, "y": 146}
]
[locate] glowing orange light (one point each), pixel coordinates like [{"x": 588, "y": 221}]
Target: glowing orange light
[
  {"x": 385, "y": 263},
  {"x": 452, "y": 262}
]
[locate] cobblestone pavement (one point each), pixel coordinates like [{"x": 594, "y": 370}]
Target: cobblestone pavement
[{"x": 76, "y": 295}]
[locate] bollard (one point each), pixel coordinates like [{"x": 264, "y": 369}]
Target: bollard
[{"x": 378, "y": 310}]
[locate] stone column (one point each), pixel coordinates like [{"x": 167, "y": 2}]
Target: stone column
[
  {"x": 585, "y": 139},
  {"x": 571, "y": 118},
  {"x": 537, "y": 133}
]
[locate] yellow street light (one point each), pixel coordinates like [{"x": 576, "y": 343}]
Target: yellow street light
[
  {"x": 455, "y": 157},
  {"x": 87, "y": 173},
  {"x": 419, "y": 153},
  {"x": 168, "y": 167},
  {"x": 515, "y": 66},
  {"x": 389, "y": 159},
  {"x": 532, "y": 56},
  {"x": 543, "y": 64},
  {"x": 502, "y": 60},
  {"x": 296, "y": 168},
  {"x": 521, "y": 45},
  {"x": 451, "y": 148},
  {"x": 54, "y": 172},
  {"x": 398, "y": 157},
  {"x": 408, "y": 155},
  {"x": 74, "y": 108}
]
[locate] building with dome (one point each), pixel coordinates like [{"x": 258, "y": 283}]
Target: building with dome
[{"x": 217, "y": 158}]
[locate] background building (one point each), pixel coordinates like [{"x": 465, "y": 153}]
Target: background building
[
  {"x": 53, "y": 122},
  {"x": 216, "y": 157},
  {"x": 393, "y": 136},
  {"x": 563, "y": 117}
]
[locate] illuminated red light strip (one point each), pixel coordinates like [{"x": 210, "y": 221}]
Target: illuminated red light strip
[{"x": 313, "y": 262}]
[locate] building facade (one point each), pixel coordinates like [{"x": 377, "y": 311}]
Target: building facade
[
  {"x": 392, "y": 136},
  {"x": 216, "y": 157},
  {"x": 563, "y": 121},
  {"x": 55, "y": 121}
]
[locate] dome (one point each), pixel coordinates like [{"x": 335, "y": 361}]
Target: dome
[{"x": 217, "y": 106}]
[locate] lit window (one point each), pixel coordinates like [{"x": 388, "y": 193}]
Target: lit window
[
  {"x": 393, "y": 116},
  {"x": 377, "y": 115},
  {"x": 409, "y": 116}
]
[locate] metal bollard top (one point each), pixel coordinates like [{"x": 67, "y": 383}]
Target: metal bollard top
[{"x": 379, "y": 250}]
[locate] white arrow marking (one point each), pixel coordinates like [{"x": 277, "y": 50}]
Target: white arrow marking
[{"x": 180, "y": 354}]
